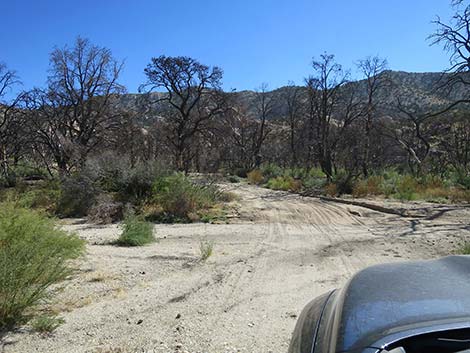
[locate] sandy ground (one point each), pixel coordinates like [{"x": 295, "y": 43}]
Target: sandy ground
[{"x": 280, "y": 252}]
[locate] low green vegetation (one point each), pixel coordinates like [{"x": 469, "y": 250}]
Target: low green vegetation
[
  {"x": 135, "y": 232},
  {"x": 289, "y": 179},
  {"x": 34, "y": 255},
  {"x": 108, "y": 187},
  {"x": 453, "y": 187},
  {"x": 431, "y": 188},
  {"x": 206, "y": 248},
  {"x": 46, "y": 323},
  {"x": 176, "y": 198},
  {"x": 464, "y": 249},
  {"x": 286, "y": 183}
]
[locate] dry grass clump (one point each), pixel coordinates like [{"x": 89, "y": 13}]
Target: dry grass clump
[
  {"x": 255, "y": 177},
  {"x": 206, "y": 248}
]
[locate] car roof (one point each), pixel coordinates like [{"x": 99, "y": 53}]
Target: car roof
[{"x": 384, "y": 300}]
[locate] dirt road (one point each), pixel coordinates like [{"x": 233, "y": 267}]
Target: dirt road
[{"x": 280, "y": 252}]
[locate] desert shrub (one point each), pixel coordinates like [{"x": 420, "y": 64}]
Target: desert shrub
[
  {"x": 233, "y": 179},
  {"x": 34, "y": 255},
  {"x": 77, "y": 195},
  {"x": 278, "y": 183},
  {"x": 431, "y": 181},
  {"x": 29, "y": 171},
  {"x": 296, "y": 173},
  {"x": 43, "y": 195},
  {"x": 459, "y": 195},
  {"x": 464, "y": 249},
  {"x": 284, "y": 183},
  {"x": 312, "y": 183},
  {"x": 270, "y": 171},
  {"x": 331, "y": 189},
  {"x": 390, "y": 180},
  {"x": 178, "y": 197},
  {"x": 116, "y": 174},
  {"x": 135, "y": 232},
  {"x": 407, "y": 188},
  {"x": 46, "y": 323},
  {"x": 461, "y": 178},
  {"x": 436, "y": 194},
  {"x": 106, "y": 210},
  {"x": 255, "y": 177},
  {"x": 240, "y": 172},
  {"x": 206, "y": 248},
  {"x": 343, "y": 181},
  {"x": 369, "y": 186},
  {"x": 316, "y": 173}
]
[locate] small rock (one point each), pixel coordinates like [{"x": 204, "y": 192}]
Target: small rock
[
  {"x": 139, "y": 321},
  {"x": 178, "y": 316}
]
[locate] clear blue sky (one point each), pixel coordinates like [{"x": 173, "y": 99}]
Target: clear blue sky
[{"x": 254, "y": 41}]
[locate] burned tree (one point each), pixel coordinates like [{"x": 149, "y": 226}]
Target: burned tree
[
  {"x": 264, "y": 105},
  {"x": 323, "y": 90},
  {"x": 455, "y": 38},
  {"x": 373, "y": 70},
  {"x": 12, "y": 136},
  {"x": 193, "y": 98},
  {"x": 292, "y": 97},
  {"x": 75, "y": 113}
]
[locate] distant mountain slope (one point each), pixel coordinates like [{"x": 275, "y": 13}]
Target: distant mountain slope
[{"x": 413, "y": 89}]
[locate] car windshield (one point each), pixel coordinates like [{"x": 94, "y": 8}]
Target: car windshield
[{"x": 455, "y": 341}]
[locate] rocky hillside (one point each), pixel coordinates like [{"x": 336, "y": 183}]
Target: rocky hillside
[{"x": 421, "y": 91}]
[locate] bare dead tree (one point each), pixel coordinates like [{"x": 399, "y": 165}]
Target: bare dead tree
[
  {"x": 455, "y": 143},
  {"x": 12, "y": 137},
  {"x": 417, "y": 135},
  {"x": 323, "y": 87},
  {"x": 264, "y": 105},
  {"x": 75, "y": 113},
  {"x": 454, "y": 36},
  {"x": 292, "y": 97},
  {"x": 194, "y": 97},
  {"x": 240, "y": 135},
  {"x": 372, "y": 68}
]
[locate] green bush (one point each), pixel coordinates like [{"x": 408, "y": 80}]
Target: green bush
[
  {"x": 430, "y": 181},
  {"x": 233, "y": 179},
  {"x": 464, "y": 249},
  {"x": 407, "y": 188},
  {"x": 178, "y": 198},
  {"x": 343, "y": 182},
  {"x": 136, "y": 232},
  {"x": 34, "y": 255},
  {"x": 270, "y": 171},
  {"x": 43, "y": 196},
  {"x": 284, "y": 183},
  {"x": 131, "y": 181},
  {"x": 29, "y": 171},
  {"x": 310, "y": 182},
  {"x": 461, "y": 178},
  {"x": 46, "y": 323}
]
